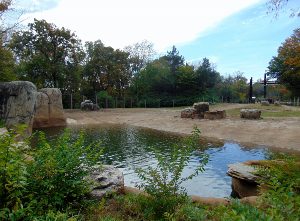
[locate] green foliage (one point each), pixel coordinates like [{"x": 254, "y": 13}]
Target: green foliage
[
  {"x": 106, "y": 69},
  {"x": 57, "y": 171},
  {"x": 47, "y": 182},
  {"x": 281, "y": 177},
  {"x": 163, "y": 183},
  {"x": 6, "y": 64},
  {"x": 2, "y": 123},
  {"x": 48, "y": 56},
  {"x": 13, "y": 177},
  {"x": 237, "y": 211},
  {"x": 286, "y": 65}
]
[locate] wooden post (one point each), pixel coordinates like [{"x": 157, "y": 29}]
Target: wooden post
[
  {"x": 250, "y": 91},
  {"x": 71, "y": 101},
  {"x": 294, "y": 101},
  {"x": 298, "y": 101},
  {"x": 158, "y": 103},
  {"x": 124, "y": 100},
  {"x": 116, "y": 102},
  {"x": 106, "y": 102},
  {"x": 173, "y": 103},
  {"x": 131, "y": 102},
  {"x": 265, "y": 86},
  {"x": 145, "y": 103},
  {"x": 96, "y": 99}
]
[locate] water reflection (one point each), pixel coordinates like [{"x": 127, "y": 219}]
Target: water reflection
[{"x": 128, "y": 148}]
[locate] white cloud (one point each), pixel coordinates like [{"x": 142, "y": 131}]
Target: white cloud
[{"x": 119, "y": 23}]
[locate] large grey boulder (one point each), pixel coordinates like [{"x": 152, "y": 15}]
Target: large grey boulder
[
  {"x": 250, "y": 113},
  {"x": 49, "y": 109},
  {"x": 88, "y": 105},
  {"x": 106, "y": 180},
  {"x": 17, "y": 104}
]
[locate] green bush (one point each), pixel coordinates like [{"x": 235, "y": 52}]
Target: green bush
[
  {"x": 46, "y": 182},
  {"x": 281, "y": 179},
  {"x": 56, "y": 173},
  {"x": 163, "y": 183},
  {"x": 13, "y": 177}
]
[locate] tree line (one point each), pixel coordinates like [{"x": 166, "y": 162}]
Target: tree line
[{"x": 50, "y": 56}]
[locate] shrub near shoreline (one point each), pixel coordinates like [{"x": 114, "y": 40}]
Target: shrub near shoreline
[{"x": 51, "y": 184}]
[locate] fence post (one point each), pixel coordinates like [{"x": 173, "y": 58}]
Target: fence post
[
  {"x": 294, "y": 101},
  {"x": 298, "y": 101},
  {"x": 106, "y": 102},
  {"x": 71, "y": 101},
  {"x": 145, "y": 103},
  {"x": 131, "y": 102},
  {"x": 173, "y": 103},
  {"x": 158, "y": 103},
  {"x": 124, "y": 100},
  {"x": 116, "y": 102}
]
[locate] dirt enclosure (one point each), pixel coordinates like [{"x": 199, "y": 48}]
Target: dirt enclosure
[{"x": 277, "y": 133}]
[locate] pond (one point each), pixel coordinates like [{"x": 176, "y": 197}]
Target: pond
[{"x": 129, "y": 147}]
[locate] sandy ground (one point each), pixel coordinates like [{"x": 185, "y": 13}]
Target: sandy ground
[{"x": 275, "y": 133}]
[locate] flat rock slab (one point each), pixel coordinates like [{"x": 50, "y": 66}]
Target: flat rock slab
[{"x": 242, "y": 171}]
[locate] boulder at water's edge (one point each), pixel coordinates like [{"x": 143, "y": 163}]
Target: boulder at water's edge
[
  {"x": 17, "y": 104},
  {"x": 106, "y": 180},
  {"x": 49, "y": 109}
]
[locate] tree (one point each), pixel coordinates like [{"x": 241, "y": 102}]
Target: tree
[
  {"x": 175, "y": 60},
  {"x": 140, "y": 54},
  {"x": 206, "y": 75},
  {"x": 6, "y": 65},
  {"x": 6, "y": 57},
  {"x": 106, "y": 69},
  {"x": 233, "y": 88},
  {"x": 186, "y": 79},
  {"x": 275, "y": 6},
  {"x": 286, "y": 65},
  {"x": 46, "y": 54}
]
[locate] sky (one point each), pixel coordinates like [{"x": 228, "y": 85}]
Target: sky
[{"x": 236, "y": 35}]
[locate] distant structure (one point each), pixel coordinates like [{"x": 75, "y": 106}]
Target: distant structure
[{"x": 266, "y": 82}]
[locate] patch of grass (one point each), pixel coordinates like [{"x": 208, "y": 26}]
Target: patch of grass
[{"x": 267, "y": 111}]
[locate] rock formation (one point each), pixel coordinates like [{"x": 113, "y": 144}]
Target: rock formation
[
  {"x": 244, "y": 180},
  {"x": 250, "y": 113},
  {"x": 49, "y": 109},
  {"x": 17, "y": 104},
  {"x": 197, "y": 111},
  {"x": 106, "y": 180}
]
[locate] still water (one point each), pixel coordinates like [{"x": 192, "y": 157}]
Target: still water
[{"x": 129, "y": 148}]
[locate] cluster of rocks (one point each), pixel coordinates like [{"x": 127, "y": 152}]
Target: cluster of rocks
[
  {"x": 201, "y": 111},
  {"x": 22, "y": 103}
]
